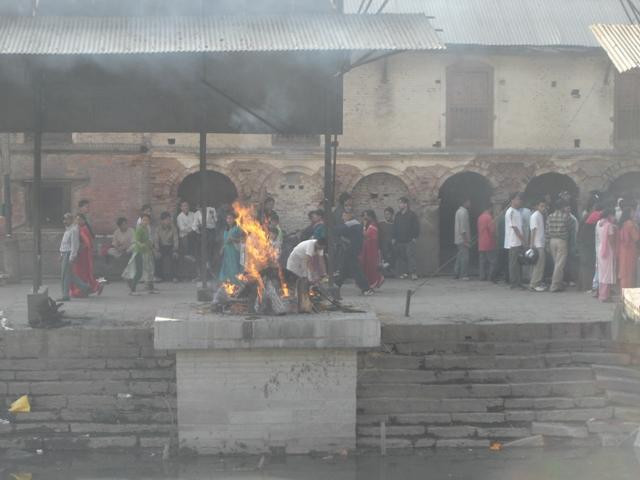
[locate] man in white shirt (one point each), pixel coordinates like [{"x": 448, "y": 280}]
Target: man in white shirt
[
  {"x": 212, "y": 220},
  {"x": 68, "y": 253},
  {"x": 462, "y": 239},
  {"x": 514, "y": 240},
  {"x": 184, "y": 222},
  {"x": 301, "y": 259},
  {"x": 536, "y": 226}
]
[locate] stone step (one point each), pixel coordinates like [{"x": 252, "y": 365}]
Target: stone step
[
  {"x": 382, "y": 361},
  {"x": 559, "y": 430},
  {"x": 432, "y": 391},
  {"x": 611, "y": 426},
  {"x": 391, "y": 406},
  {"x": 616, "y": 372},
  {"x": 392, "y": 376},
  {"x": 624, "y": 398},
  {"x": 556, "y": 389},
  {"x": 531, "y": 375},
  {"x": 601, "y": 358},
  {"x": 493, "y": 376},
  {"x": 529, "y": 347},
  {"x": 545, "y": 403},
  {"x": 619, "y": 384}
]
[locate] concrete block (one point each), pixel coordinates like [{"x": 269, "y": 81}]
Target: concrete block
[
  {"x": 519, "y": 361},
  {"x": 574, "y": 389},
  {"x": 504, "y": 432},
  {"x": 558, "y": 430},
  {"x": 211, "y": 331},
  {"x": 48, "y": 402},
  {"x": 391, "y": 443},
  {"x": 42, "y": 427},
  {"x": 599, "y": 426},
  {"x": 462, "y": 443},
  {"x": 590, "y": 402},
  {"x": 557, "y": 359},
  {"x": 393, "y": 406},
  {"x": 531, "y": 389},
  {"x": 392, "y": 431},
  {"x": 619, "y": 384},
  {"x": 154, "y": 442},
  {"x": 424, "y": 443},
  {"x": 575, "y": 415},
  {"x": 609, "y": 440},
  {"x": 601, "y": 358},
  {"x": 528, "y": 442},
  {"x": 452, "y": 432},
  {"x": 520, "y": 416},
  {"x": 112, "y": 442},
  {"x": 389, "y": 376},
  {"x": 623, "y": 398},
  {"x": 376, "y": 360},
  {"x": 478, "y": 417},
  {"x": 427, "y": 418},
  {"x": 65, "y": 443},
  {"x": 627, "y": 414},
  {"x": 613, "y": 371}
]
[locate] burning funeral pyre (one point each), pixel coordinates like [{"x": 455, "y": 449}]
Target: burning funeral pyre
[{"x": 262, "y": 287}]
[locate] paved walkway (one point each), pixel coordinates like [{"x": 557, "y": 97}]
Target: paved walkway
[{"x": 439, "y": 301}]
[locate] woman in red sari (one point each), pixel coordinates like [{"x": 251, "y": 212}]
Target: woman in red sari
[
  {"x": 627, "y": 249},
  {"x": 370, "y": 256},
  {"x": 83, "y": 266}
]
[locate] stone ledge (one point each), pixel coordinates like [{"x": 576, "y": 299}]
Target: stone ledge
[{"x": 318, "y": 331}]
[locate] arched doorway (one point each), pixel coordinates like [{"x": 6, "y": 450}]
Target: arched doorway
[
  {"x": 626, "y": 186},
  {"x": 220, "y": 189},
  {"x": 453, "y": 192},
  {"x": 377, "y": 192},
  {"x": 551, "y": 184},
  {"x": 295, "y": 195}
]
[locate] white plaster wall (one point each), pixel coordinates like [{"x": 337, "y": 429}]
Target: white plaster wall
[
  {"x": 400, "y": 103},
  {"x": 249, "y": 401}
]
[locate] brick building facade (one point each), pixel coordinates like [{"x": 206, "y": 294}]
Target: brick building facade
[{"x": 479, "y": 121}]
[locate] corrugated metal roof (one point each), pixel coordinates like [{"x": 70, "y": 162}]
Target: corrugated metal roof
[
  {"x": 509, "y": 22},
  {"x": 622, "y": 44},
  {"x": 130, "y": 35}
]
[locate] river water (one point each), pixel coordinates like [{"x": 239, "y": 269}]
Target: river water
[{"x": 574, "y": 464}]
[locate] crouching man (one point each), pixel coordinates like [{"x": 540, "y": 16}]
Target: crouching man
[{"x": 306, "y": 262}]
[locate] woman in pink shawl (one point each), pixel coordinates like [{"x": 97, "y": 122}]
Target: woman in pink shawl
[
  {"x": 606, "y": 231},
  {"x": 627, "y": 249},
  {"x": 370, "y": 255}
]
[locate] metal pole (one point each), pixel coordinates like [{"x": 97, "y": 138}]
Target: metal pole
[
  {"x": 203, "y": 209},
  {"x": 328, "y": 191},
  {"x": 407, "y": 305},
  {"x": 35, "y": 210}
]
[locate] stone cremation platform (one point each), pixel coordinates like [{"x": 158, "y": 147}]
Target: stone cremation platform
[{"x": 282, "y": 384}]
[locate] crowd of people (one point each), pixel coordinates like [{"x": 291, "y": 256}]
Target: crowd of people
[
  {"x": 170, "y": 249},
  {"x": 544, "y": 246},
  {"x": 541, "y": 246}
]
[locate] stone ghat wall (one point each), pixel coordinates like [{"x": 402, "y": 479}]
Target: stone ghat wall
[
  {"x": 471, "y": 385},
  {"x": 89, "y": 389}
]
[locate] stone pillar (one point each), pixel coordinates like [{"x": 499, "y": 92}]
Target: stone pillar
[{"x": 275, "y": 384}]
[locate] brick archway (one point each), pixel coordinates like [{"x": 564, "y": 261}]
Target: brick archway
[
  {"x": 453, "y": 191},
  {"x": 378, "y": 191}
]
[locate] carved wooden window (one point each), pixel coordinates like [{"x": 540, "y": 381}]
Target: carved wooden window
[
  {"x": 627, "y": 110},
  {"x": 470, "y": 105}
]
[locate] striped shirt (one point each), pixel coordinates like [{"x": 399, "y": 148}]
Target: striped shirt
[{"x": 558, "y": 225}]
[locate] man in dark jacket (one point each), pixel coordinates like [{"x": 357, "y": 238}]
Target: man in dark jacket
[
  {"x": 352, "y": 235},
  {"x": 406, "y": 230}
]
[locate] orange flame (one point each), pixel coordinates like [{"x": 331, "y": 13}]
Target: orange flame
[
  {"x": 259, "y": 251},
  {"x": 230, "y": 288}
]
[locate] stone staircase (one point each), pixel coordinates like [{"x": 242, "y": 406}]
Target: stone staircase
[{"x": 571, "y": 385}]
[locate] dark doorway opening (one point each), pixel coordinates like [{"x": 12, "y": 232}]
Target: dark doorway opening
[
  {"x": 453, "y": 192},
  {"x": 551, "y": 184},
  {"x": 220, "y": 189},
  {"x": 626, "y": 186}
]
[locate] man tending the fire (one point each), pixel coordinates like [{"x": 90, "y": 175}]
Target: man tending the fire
[{"x": 306, "y": 262}]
